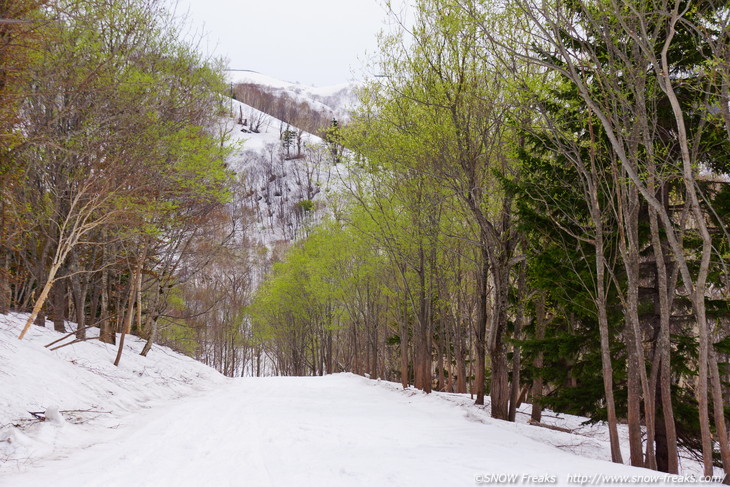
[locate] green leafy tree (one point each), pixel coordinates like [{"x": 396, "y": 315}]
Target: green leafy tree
[{"x": 123, "y": 113}]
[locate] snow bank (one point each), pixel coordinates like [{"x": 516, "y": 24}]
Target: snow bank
[{"x": 77, "y": 389}]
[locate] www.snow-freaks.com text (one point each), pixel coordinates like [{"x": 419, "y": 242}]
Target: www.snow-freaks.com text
[{"x": 592, "y": 479}]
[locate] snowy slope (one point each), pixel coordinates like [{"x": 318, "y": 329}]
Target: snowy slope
[
  {"x": 82, "y": 380},
  {"x": 337, "y": 100},
  {"x": 274, "y": 185},
  {"x": 166, "y": 420}
]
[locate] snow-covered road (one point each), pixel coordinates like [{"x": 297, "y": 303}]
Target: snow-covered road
[{"x": 325, "y": 431}]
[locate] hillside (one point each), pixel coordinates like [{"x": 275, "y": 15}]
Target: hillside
[
  {"x": 166, "y": 420},
  {"x": 285, "y": 173},
  {"x": 333, "y": 101}
]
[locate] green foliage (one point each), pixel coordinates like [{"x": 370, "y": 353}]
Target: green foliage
[
  {"x": 135, "y": 107},
  {"x": 181, "y": 337},
  {"x": 305, "y": 206}
]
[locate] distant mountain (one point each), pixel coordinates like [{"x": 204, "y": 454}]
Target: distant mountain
[{"x": 309, "y": 108}]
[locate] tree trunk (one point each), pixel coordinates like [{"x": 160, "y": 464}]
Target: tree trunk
[
  {"x": 152, "y": 336},
  {"x": 636, "y": 448},
  {"x": 134, "y": 285},
  {"x": 404, "y": 345},
  {"x": 78, "y": 293},
  {"x": 106, "y": 331},
  {"x": 5, "y": 294},
  {"x": 440, "y": 361},
  {"x": 481, "y": 331},
  {"x": 719, "y": 412},
  {"x": 515, "y": 390},
  {"x": 5, "y": 291},
  {"x": 42, "y": 279},
  {"x": 59, "y": 306},
  {"x": 541, "y": 324},
  {"x": 460, "y": 360},
  {"x": 41, "y": 300},
  {"x": 668, "y": 441},
  {"x": 606, "y": 365},
  {"x": 499, "y": 389}
]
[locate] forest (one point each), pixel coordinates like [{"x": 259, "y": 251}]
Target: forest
[
  {"x": 535, "y": 210},
  {"x": 115, "y": 190}
]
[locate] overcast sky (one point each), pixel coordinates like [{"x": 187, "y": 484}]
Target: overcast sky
[{"x": 314, "y": 42}]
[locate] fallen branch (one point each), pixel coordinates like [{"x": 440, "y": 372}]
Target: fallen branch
[
  {"x": 84, "y": 411},
  {"x": 93, "y": 325},
  {"x": 549, "y": 426},
  {"x": 41, "y": 415},
  {"x": 75, "y": 341},
  {"x": 543, "y": 415}
]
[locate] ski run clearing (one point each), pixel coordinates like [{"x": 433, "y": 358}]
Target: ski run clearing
[{"x": 166, "y": 420}]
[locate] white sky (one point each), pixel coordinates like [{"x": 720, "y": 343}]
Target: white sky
[{"x": 314, "y": 42}]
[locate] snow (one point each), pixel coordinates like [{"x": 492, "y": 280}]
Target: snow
[
  {"x": 252, "y": 141},
  {"x": 276, "y": 184},
  {"x": 264, "y": 80},
  {"x": 80, "y": 378},
  {"x": 337, "y": 99},
  {"x": 166, "y": 420}
]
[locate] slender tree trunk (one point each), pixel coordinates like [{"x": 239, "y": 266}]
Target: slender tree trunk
[
  {"x": 404, "y": 344},
  {"x": 440, "y": 362},
  {"x": 134, "y": 285},
  {"x": 43, "y": 279},
  {"x": 515, "y": 389},
  {"x": 423, "y": 355},
  {"x": 5, "y": 290},
  {"x": 59, "y": 306},
  {"x": 460, "y": 360},
  {"x": 719, "y": 412},
  {"x": 459, "y": 327},
  {"x": 450, "y": 347},
  {"x": 537, "y": 385},
  {"x": 329, "y": 361},
  {"x": 5, "y": 294},
  {"x": 481, "y": 330},
  {"x": 138, "y": 297},
  {"x": 128, "y": 318},
  {"x": 106, "y": 331},
  {"x": 78, "y": 294},
  {"x": 152, "y": 336},
  {"x": 603, "y": 330},
  {"x": 94, "y": 289},
  {"x": 636, "y": 447},
  {"x": 41, "y": 300},
  {"x": 355, "y": 349},
  {"x": 698, "y": 293}
]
